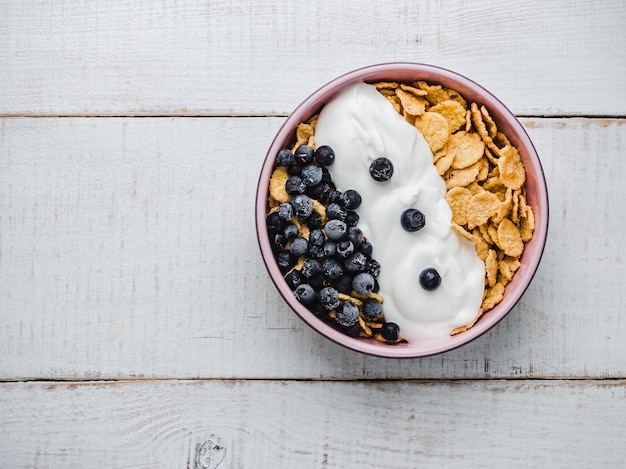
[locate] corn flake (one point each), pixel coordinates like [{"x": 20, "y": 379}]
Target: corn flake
[
  {"x": 480, "y": 245},
  {"x": 485, "y": 234},
  {"x": 304, "y": 135},
  {"x": 510, "y": 238},
  {"x": 278, "y": 179},
  {"x": 492, "y": 129},
  {"x": 501, "y": 140},
  {"x": 413, "y": 105},
  {"x": 527, "y": 224},
  {"x": 395, "y": 102},
  {"x": 413, "y": 90},
  {"x": 444, "y": 162},
  {"x": 390, "y": 85},
  {"x": 493, "y": 296},
  {"x": 435, "y": 94},
  {"x": 459, "y": 200},
  {"x": 491, "y": 266},
  {"x": 481, "y": 128},
  {"x": 434, "y": 127},
  {"x": 455, "y": 95},
  {"x": 467, "y": 148},
  {"x": 462, "y": 177},
  {"x": 512, "y": 173},
  {"x": 482, "y": 208},
  {"x": 453, "y": 112}
]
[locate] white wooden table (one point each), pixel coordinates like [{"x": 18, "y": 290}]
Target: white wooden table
[{"x": 138, "y": 326}]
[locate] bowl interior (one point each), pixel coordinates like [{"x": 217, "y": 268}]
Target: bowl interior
[{"x": 537, "y": 197}]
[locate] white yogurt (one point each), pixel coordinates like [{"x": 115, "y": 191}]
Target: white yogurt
[{"x": 361, "y": 125}]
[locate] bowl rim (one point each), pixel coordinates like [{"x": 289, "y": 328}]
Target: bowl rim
[{"x": 538, "y": 199}]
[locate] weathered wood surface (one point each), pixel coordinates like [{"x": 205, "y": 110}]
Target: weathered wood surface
[
  {"x": 244, "y": 57},
  {"x": 128, "y": 250},
  {"x": 283, "y": 424}
]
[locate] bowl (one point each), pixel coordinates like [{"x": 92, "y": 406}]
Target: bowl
[{"x": 537, "y": 197}]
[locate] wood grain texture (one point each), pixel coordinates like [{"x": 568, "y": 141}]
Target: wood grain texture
[
  {"x": 513, "y": 424},
  {"x": 127, "y": 249},
  {"x": 243, "y": 57},
  {"x": 128, "y": 252}
]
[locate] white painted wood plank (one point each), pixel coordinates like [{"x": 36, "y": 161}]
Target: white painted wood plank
[
  {"x": 127, "y": 248},
  {"x": 245, "y": 57},
  {"x": 483, "y": 424}
]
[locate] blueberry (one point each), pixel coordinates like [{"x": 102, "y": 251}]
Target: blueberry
[
  {"x": 317, "y": 309},
  {"x": 291, "y": 231},
  {"x": 310, "y": 268},
  {"x": 313, "y": 266},
  {"x": 320, "y": 192},
  {"x": 284, "y": 157},
  {"x": 304, "y": 154},
  {"x": 294, "y": 278},
  {"x": 345, "y": 248},
  {"x": 430, "y": 279},
  {"x": 311, "y": 175},
  {"x": 344, "y": 283},
  {"x": 332, "y": 268},
  {"x": 295, "y": 185},
  {"x": 317, "y": 238},
  {"x": 347, "y": 314},
  {"x": 285, "y": 211},
  {"x": 335, "y": 229},
  {"x": 330, "y": 249},
  {"x": 317, "y": 252},
  {"x": 353, "y": 331},
  {"x": 334, "y": 211},
  {"x": 372, "y": 310},
  {"x": 299, "y": 247},
  {"x": 279, "y": 241},
  {"x": 381, "y": 169},
  {"x": 302, "y": 205},
  {"x": 412, "y": 220},
  {"x": 326, "y": 178},
  {"x": 314, "y": 222},
  {"x": 335, "y": 197},
  {"x": 363, "y": 283},
  {"x": 317, "y": 282},
  {"x": 373, "y": 267},
  {"x": 275, "y": 223},
  {"x": 350, "y": 199},
  {"x": 294, "y": 170},
  {"x": 284, "y": 260},
  {"x": 390, "y": 331},
  {"x": 366, "y": 247},
  {"x": 356, "y": 262},
  {"x": 355, "y": 235},
  {"x": 305, "y": 293},
  {"x": 329, "y": 297},
  {"x": 324, "y": 155},
  {"x": 352, "y": 218}
]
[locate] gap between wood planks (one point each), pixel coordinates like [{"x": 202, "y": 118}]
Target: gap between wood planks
[{"x": 108, "y": 381}]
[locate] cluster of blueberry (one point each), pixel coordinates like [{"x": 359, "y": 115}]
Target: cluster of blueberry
[{"x": 337, "y": 257}]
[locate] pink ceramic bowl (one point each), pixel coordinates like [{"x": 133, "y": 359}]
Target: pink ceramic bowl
[{"x": 537, "y": 196}]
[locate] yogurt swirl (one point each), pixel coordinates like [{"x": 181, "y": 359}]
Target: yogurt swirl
[{"x": 361, "y": 125}]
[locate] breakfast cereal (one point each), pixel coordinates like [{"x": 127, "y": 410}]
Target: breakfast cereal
[{"x": 485, "y": 189}]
